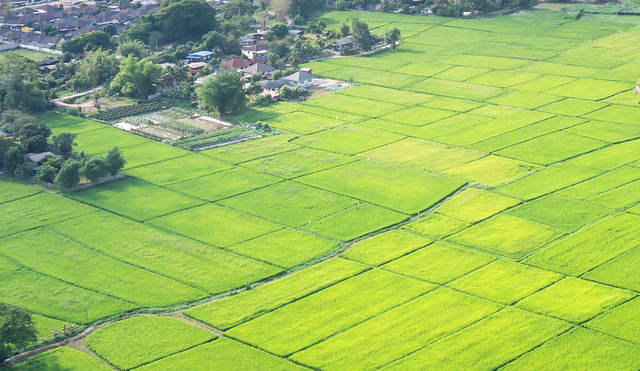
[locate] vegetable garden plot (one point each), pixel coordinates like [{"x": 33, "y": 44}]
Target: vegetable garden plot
[
  {"x": 216, "y": 225},
  {"x": 135, "y": 199},
  {"x": 493, "y": 170},
  {"x": 575, "y": 300},
  {"x": 254, "y": 149},
  {"x": 622, "y": 271},
  {"x": 418, "y": 116},
  {"x": 620, "y": 321},
  {"x": 330, "y": 311},
  {"x": 505, "y": 281},
  {"x": 560, "y": 212},
  {"x": 63, "y": 358},
  {"x": 547, "y": 180},
  {"x": 436, "y": 226},
  {"x": 486, "y": 344},
  {"x": 224, "y": 184},
  {"x": 345, "y": 103},
  {"x": 303, "y": 122},
  {"x": 526, "y": 133},
  {"x": 506, "y": 235},
  {"x": 423, "y": 154},
  {"x": 461, "y": 73},
  {"x": 590, "y": 246},
  {"x": 455, "y": 89},
  {"x": 589, "y": 89},
  {"x": 524, "y": 99},
  {"x": 348, "y": 140},
  {"x": 12, "y": 190},
  {"x": 384, "y": 247},
  {"x": 473, "y": 205},
  {"x": 572, "y": 107},
  {"x": 298, "y": 162},
  {"x": 355, "y": 221},
  {"x": 178, "y": 169},
  {"x": 71, "y": 262},
  {"x": 395, "y": 96},
  {"x": 404, "y": 189},
  {"x": 602, "y": 183},
  {"x": 618, "y": 114},
  {"x": 551, "y": 148},
  {"x": 285, "y": 248},
  {"x": 543, "y": 83},
  {"x": 181, "y": 259},
  {"x": 71, "y": 303},
  {"x": 397, "y": 332},
  {"x": 290, "y": 203},
  {"x": 233, "y": 310},
  {"x": 434, "y": 263},
  {"x": 224, "y": 354},
  {"x": 610, "y": 157},
  {"x": 37, "y": 210},
  {"x": 148, "y": 338},
  {"x": 580, "y": 350}
]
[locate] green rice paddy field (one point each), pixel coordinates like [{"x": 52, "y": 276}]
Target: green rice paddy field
[{"x": 473, "y": 204}]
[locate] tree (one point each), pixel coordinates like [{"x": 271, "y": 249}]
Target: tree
[
  {"x": 47, "y": 173},
  {"x": 133, "y": 48},
  {"x": 90, "y": 41},
  {"x": 361, "y": 35},
  {"x": 223, "y": 93},
  {"x": 273, "y": 60},
  {"x": 69, "y": 175},
  {"x": 280, "y": 30},
  {"x": 17, "y": 329},
  {"x": 392, "y": 36},
  {"x": 114, "y": 160},
  {"x": 344, "y": 29},
  {"x": 5, "y": 144},
  {"x": 180, "y": 19},
  {"x": 97, "y": 68},
  {"x": 280, "y": 8},
  {"x": 13, "y": 160},
  {"x": 94, "y": 169},
  {"x": 33, "y": 137},
  {"x": 62, "y": 144},
  {"x": 136, "y": 77}
]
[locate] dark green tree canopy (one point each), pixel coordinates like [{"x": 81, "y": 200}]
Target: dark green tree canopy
[
  {"x": 69, "y": 175},
  {"x": 17, "y": 329},
  {"x": 90, "y": 41},
  {"x": 179, "y": 19},
  {"x": 115, "y": 161},
  {"x": 223, "y": 93}
]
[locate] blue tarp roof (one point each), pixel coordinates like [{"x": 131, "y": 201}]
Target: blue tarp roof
[{"x": 201, "y": 54}]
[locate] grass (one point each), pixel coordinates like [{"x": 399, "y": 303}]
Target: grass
[
  {"x": 589, "y": 89},
  {"x": 225, "y": 354},
  {"x": 224, "y": 184},
  {"x": 371, "y": 218},
  {"x": 575, "y": 300},
  {"x": 493, "y": 170},
  {"x": 313, "y": 318},
  {"x": 560, "y": 212},
  {"x": 432, "y": 263},
  {"x": 93, "y": 141},
  {"x": 397, "y": 332},
  {"x": 303, "y": 122},
  {"x": 512, "y": 331},
  {"x": 285, "y": 248},
  {"x": 606, "y": 131},
  {"x": 384, "y": 247},
  {"x": 619, "y": 321},
  {"x": 610, "y": 157},
  {"x": 215, "y": 225},
  {"x": 403, "y": 189},
  {"x": 505, "y": 282},
  {"x": 580, "y": 350},
  {"x": 298, "y": 162},
  {"x": 62, "y": 358},
  {"x": 149, "y": 338},
  {"x": 173, "y": 170},
  {"x": 437, "y": 226},
  {"x": 621, "y": 271},
  {"x": 78, "y": 265},
  {"x": 379, "y": 93},
  {"x": 290, "y": 203},
  {"x": 455, "y": 89},
  {"x": 34, "y": 55},
  {"x": 506, "y": 235},
  {"x": 551, "y": 148},
  {"x": 150, "y": 152},
  {"x": 38, "y": 210},
  {"x": 474, "y": 205},
  {"x": 184, "y": 260},
  {"x": 348, "y": 140},
  {"x": 572, "y": 107},
  {"x": 253, "y": 149},
  {"x": 141, "y": 202},
  {"x": 418, "y": 116},
  {"x": 354, "y": 105},
  {"x": 590, "y": 246},
  {"x": 46, "y": 326},
  {"x": 12, "y": 190},
  {"x": 524, "y": 99},
  {"x": 233, "y": 310},
  {"x": 621, "y": 197},
  {"x": 602, "y": 183}
]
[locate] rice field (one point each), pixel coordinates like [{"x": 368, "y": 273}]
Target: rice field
[{"x": 471, "y": 203}]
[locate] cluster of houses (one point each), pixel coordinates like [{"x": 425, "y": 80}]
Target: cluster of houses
[{"x": 26, "y": 25}]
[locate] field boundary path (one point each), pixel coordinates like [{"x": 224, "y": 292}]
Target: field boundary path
[{"x": 60, "y": 102}]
